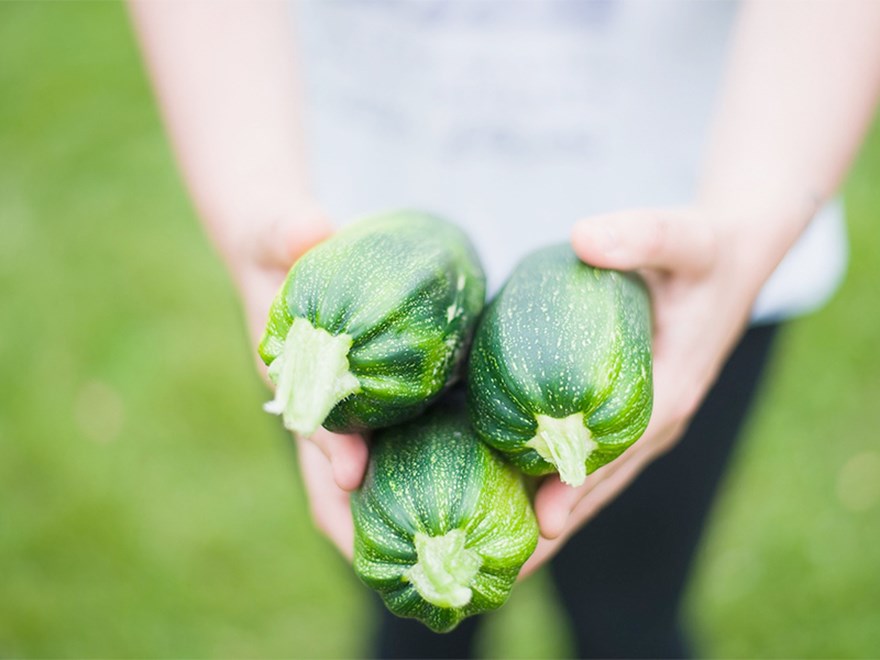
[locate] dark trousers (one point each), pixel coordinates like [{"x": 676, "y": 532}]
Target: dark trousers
[{"x": 621, "y": 578}]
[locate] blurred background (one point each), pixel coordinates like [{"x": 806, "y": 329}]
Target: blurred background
[{"x": 148, "y": 507}]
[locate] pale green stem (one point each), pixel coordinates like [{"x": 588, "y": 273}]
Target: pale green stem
[
  {"x": 565, "y": 443},
  {"x": 445, "y": 568},
  {"x": 311, "y": 376}
]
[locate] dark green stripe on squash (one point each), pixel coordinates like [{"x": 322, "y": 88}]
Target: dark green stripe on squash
[
  {"x": 442, "y": 524},
  {"x": 560, "y": 372},
  {"x": 372, "y": 324}
]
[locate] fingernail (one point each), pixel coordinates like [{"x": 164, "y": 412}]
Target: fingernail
[
  {"x": 340, "y": 475},
  {"x": 556, "y": 525},
  {"x": 609, "y": 241},
  {"x": 599, "y": 236}
]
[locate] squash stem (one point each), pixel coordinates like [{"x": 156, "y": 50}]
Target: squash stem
[
  {"x": 311, "y": 375},
  {"x": 565, "y": 443},
  {"x": 445, "y": 568}
]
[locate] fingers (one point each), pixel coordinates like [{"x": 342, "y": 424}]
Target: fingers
[
  {"x": 555, "y": 501},
  {"x": 605, "y": 491},
  {"x": 553, "y": 504},
  {"x": 561, "y": 509},
  {"x": 287, "y": 237},
  {"x": 543, "y": 553},
  {"x": 347, "y": 455},
  {"x": 629, "y": 240},
  {"x": 328, "y": 503}
]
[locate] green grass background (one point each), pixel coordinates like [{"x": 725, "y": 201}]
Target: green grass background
[{"x": 149, "y": 508}]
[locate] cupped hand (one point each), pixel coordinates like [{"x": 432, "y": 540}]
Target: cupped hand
[
  {"x": 703, "y": 279},
  {"x": 332, "y": 465}
]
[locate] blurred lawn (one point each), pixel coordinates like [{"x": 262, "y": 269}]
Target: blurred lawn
[{"x": 149, "y": 508}]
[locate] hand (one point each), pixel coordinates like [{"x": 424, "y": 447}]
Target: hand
[
  {"x": 331, "y": 464},
  {"x": 703, "y": 277}
]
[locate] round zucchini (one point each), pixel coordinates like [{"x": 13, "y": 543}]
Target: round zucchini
[
  {"x": 442, "y": 524},
  {"x": 560, "y": 372},
  {"x": 372, "y": 324}
]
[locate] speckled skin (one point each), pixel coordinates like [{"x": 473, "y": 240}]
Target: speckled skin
[
  {"x": 433, "y": 475},
  {"x": 561, "y": 338},
  {"x": 408, "y": 288}
]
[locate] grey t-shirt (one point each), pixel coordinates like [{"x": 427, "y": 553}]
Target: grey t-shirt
[{"x": 514, "y": 118}]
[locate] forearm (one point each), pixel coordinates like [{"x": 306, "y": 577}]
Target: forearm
[
  {"x": 799, "y": 94},
  {"x": 226, "y": 77}
]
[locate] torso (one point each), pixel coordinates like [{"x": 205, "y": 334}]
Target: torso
[{"x": 514, "y": 118}]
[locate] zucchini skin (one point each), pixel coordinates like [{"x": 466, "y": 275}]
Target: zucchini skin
[
  {"x": 562, "y": 338},
  {"x": 407, "y": 287},
  {"x": 432, "y": 476}
]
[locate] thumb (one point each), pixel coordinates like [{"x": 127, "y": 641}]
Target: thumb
[
  {"x": 669, "y": 240},
  {"x": 347, "y": 455}
]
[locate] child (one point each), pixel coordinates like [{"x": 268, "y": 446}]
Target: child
[{"x": 527, "y": 123}]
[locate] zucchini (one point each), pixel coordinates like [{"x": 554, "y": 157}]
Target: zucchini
[
  {"x": 442, "y": 524},
  {"x": 372, "y": 324},
  {"x": 560, "y": 372}
]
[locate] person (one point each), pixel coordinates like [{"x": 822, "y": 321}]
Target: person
[{"x": 698, "y": 143}]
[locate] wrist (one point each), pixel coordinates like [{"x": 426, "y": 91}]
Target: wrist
[{"x": 756, "y": 231}]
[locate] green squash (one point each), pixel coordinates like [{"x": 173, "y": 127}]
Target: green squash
[
  {"x": 560, "y": 372},
  {"x": 372, "y": 324},
  {"x": 442, "y": 524}
]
